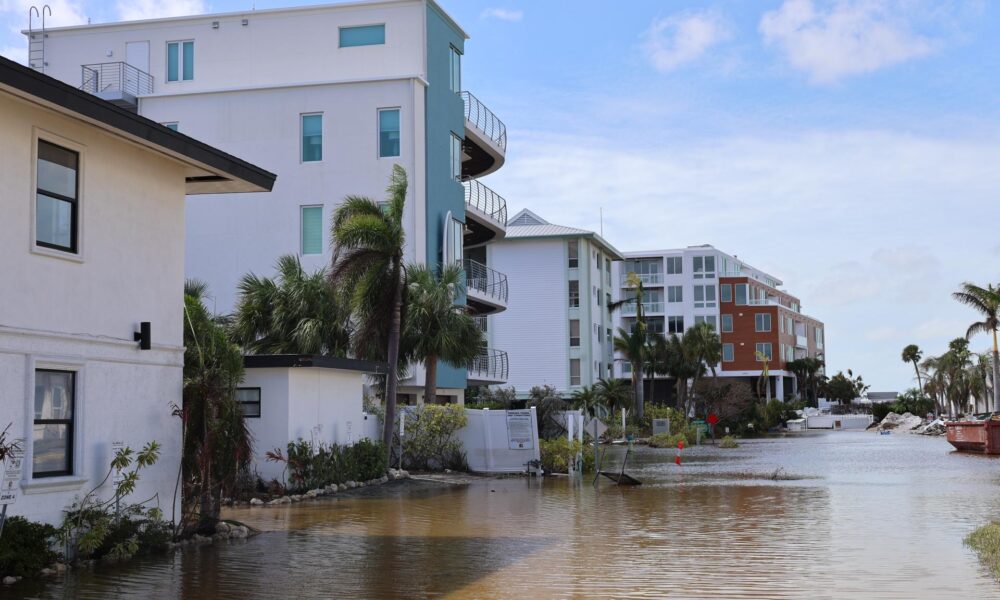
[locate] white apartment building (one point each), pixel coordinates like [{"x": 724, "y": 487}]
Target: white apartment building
[
  {"x": 753, "y": 314},
  {"x": 330, "y": 97},
  {"x": 557, "y": 329},
  {"x": 91, "y": 310}
]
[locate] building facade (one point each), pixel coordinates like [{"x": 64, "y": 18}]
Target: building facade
[
  {"x": 558, "y": 327},
  {"x": 92, "y": 238},
  {"x": 331, "y": 97},
  {"x": 757, "y": 321}
]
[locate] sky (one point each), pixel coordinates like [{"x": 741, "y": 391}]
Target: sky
[{"x": 849, "y": 147}]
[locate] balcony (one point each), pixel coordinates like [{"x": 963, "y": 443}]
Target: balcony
[
  {"x": 485, "y": 214},
  {"x": 489, "y": 368},
  {"x": 647, "y": 279},
  {"x": 628, "y": 310},
  {"x": 485, "y": 144},
  {"x": 117, "y": 82},
  {"x": 486, "y": 289}
]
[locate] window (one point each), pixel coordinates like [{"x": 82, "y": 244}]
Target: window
[
  {"x": 366, "y": 35},
  {"x": 727, "y": 353},
  {"x": 607, "y": 274},
  {"x": 675, "y": 324},
  {"x": 600, "y": 336},
  {"x": 781, "y": 324},
  {"x": 574, "y": 371},
  {"x": 311, "y": 234},
  {"x": 388, "y": 132},
  {"x": 456, "y": 157},
  {"x": 675, "y": 265},
  {"x": 726, "y": 292},
  {"x": 52, "y": 435},
  {"x": 741, "y": 294},
  {"x": 790, "y": 326},
  {"x": 762, "y": 322},
  {"x": 56, "y": 197},
  {"x": 704, "y": 296},
  {"x": 763, "y": 351},
  {"x": 249, "y": 401},
  {"x": 727, "y": 323},
  {"x": 312, "y": 138},
  {"x": 574, "y": 332},
  {"x": 598, "y": 294},
  {"x": 180, "y": 61},
  {"x": 704, "y": 267},
  {"x": 172, "y": 126},
  {"x": 455, "y": 249},
  {"x": 455, "y": 70},
  {"x": 675, "y": 293},
  {"x": 710, "y": 319},
  {"x": 574, "y": 294},
  {"x": 573, "y": 253},
  {"x": 607, "y": 299}
]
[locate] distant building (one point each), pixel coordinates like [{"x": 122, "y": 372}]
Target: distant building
[
  {"x": 880, "y": 397},
  {"x": 92, "y": 239},
  {"x": 754, "y": 316},
  {"x": 557, "y": 328}
]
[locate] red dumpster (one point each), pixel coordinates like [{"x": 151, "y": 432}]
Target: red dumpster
[{"x": 975, "y": 436}]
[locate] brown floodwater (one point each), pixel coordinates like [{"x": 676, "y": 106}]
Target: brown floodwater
[{"x": 849, "y": 515}]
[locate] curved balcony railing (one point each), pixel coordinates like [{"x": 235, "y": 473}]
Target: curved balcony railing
[
  {"x": 486, "y": 201},
  {"x": 484, "y": 120},
  {"x": 491, "y": 364},
  {"x": 481, "y": 323},
  {"x": 115, "y": 77},
  {"x": 480, "y": 278}
]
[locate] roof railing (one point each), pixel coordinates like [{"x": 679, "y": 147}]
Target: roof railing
[
  {"x": 486, "y": 201},
  {"x": 115, "y": 76},
  {"x": 484, "y": 120}
]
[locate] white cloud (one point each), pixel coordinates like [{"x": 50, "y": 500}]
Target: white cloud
[
  {"x": 851, "y": 37},
  {"x": 675, "y": 41},
  {"x": 134, "y": 10},
  {"x": 502, "y": 14}
]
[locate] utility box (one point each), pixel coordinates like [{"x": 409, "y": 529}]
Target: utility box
[{"x": 661, "y": 426}]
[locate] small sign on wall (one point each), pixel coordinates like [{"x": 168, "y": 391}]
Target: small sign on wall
[
  {"x": 12, "y": 473},
  {"x": 118, "y": 476},
  {"x": 519, "y": 433}
]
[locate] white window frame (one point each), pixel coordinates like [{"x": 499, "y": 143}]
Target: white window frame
[
  {"x": 455, "y": 155},
  {"x": 322, "y": 138},
  {"x": 732, "y": 353},
  {"x": 180, "y": 61},
  {"x": 760, "y": 347},
  {"x": 378, "y": 132},
  {"x": 723, "y": 323},
  {"x": 758, "y": 325},
  {"x": 80, "y": 149},
  {"x": 77, "y": 479},
  {"x": 302, "y": 226}
]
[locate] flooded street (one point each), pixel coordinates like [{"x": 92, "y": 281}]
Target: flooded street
[{"x": 837, "y": 515}]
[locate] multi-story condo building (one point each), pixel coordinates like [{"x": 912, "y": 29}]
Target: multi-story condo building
[
  {"x": 558, "y": 328},
  {"x": 754, "y": 317},
  {"x": 329, "y": 97}
]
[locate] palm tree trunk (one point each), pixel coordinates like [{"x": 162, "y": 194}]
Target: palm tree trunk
[
  {"x": 996, "y": 373},
  {"x": 392, "y": 359},
  {"x": 920, "y": 383},
  {"x": 430, "y": 379}
]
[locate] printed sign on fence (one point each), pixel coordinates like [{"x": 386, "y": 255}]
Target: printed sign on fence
[
  {"x": 10, "y": 486},
  {"x": 519, "y": 434}
]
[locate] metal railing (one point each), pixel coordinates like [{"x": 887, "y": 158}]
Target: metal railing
[
  {"x": 484, "y": 120},
  {"x": 645, "y": 278},
  {"x": 481, "y": 323},
  {"x": 628, "y": 309},
  {"x": 491, "y": 364},
  {"x": 115, "y": 76},
  {"x": 485, "y": 280},
  {"x": 486, "y": 201}
]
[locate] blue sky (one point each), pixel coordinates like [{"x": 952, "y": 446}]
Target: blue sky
[{"x": 852, "y": 148}]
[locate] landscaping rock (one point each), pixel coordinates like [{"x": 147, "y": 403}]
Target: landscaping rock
[
  {"x": 47, "y": 572},
  {"x": 904, "y": 422},
  {"x": 256, "y": 502},
  {"x": 222, "y": 527},
  {"x": 59, "y": 567},
  {"x": 239, "y": 532},
  {"x": 9, "y": 580},
  {"x": 385, "y": 479}
]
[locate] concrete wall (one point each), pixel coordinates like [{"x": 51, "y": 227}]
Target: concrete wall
[{"x": 78, "y": 312}]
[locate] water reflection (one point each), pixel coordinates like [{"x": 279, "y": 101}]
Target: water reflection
[{"x": 873, "y": 517}]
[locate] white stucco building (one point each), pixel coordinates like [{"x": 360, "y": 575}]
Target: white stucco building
[
  {"x": 557, "y": 329},
  {"x": 92, "y": 239},
  {"x": 330, "y": 97}
]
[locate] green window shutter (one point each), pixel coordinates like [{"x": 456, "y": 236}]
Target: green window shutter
[
  {"x": 172, "y": 61},
  {"x": 312, "y": 230}
]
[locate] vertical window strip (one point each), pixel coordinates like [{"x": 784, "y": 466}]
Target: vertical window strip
[
  {"x": 388, "y": 132},
  {"x": 188, "y": 73},
  {"x": 312, "y": 230},
  {"x": 312, "y": 138},
  {"x": 173, "y": 61}
]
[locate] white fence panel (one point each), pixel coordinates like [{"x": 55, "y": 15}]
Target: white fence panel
[{"x": 500, "y": 441}]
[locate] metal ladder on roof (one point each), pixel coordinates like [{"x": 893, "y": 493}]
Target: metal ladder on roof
[{"x": 36, "y": 38}]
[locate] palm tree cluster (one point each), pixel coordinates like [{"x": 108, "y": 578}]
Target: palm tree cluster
[
  {"x": 961, "y": 380},
  {"x": 603, "y": 399}
]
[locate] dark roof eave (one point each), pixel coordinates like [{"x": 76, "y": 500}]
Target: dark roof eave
[
  {"x": 280, "y": 361},
  {"x": 56, "y": 92}
]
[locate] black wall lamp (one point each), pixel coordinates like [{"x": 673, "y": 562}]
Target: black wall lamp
[{"x": 143, "y": 336}]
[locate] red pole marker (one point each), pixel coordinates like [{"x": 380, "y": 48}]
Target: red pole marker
[{"x": 680, "y": 446}]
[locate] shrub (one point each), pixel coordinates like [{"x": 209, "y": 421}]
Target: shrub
[
  {"x": 429, "y": 442},
  {"x": 664, "y": 440},
  {"x": 615, "y": 432},
  {"x": 26, "y": 547},
  {"x": 558, "y": 453},
  {"x": 366, "y": 460},
  {"x": 986, "y": 542},
  {"x": 481, "y": 404},
  {"x": 308, "y": 468},
  {"x": 655, "y": 411},
  {"x": 728, "y": 442}
]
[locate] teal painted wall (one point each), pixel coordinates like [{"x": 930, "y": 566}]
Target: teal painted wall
[{"x": 445, "y": 114}]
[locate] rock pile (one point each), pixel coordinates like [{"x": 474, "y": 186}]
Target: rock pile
[
  {"x": 904, "y": 422},
  {"x": 331, "y": 489},
  {"x": 935, "y": 427}
]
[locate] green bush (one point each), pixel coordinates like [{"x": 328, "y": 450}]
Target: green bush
[
  {"x": 986, "y": 542},
  {"x": 558, "y": 453},
  {"x": 366, "y": 459},
  {"x": 308, "y": 469},
  {"x": 665, "y": 440},
  {"x": 728, "y": 442},
  {"x": 656, "y": 411},
  {"x": 26, "y": 547},
  {"x": 615, "y": 432},
  {"x": 429, "y": 443},
  {"x": 481, "y": 404}
]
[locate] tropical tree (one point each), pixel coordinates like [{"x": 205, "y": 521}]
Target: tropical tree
[
  {"x": 912, "y": 354},
  {"x": 683, "y": 364},
  {"x": 614, "y": 394},
  {"x": 639, "y": 337},
  {"x": 292, "y": 313},
  {"x": 655, "y": 360},
  {"x": 705, "y": 346},
  {"x": 986, "y": 301},
  {"x": 588, "y": 400},
  {"x": 807, "y": 373},
  {"x": 368, "y": 264},
  {"x": 216, "y": 444},
  {"x": 632, "y": 345},
  {"x": 845, "y": 388},
  {"x": 437, "y": 328}
]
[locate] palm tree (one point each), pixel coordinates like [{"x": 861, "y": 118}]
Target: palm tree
[
  {"x": 368, "y": 264},
  {"x": 683, "y": 364},
  {"x": 912, "y": 354},
  {"x": 293, "y": 313},
  {"x": 985, "y": 300},
  {"x": 655, "y": 355},
  {"x": 705, "y": 346},
  {"x": 635, "y": 355},
  {"x": 614, "y": 394},
  {"x": 631, "y": 345},
  {"x": 587, "y": 399},
  {"x": 436, "y": 328}
]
